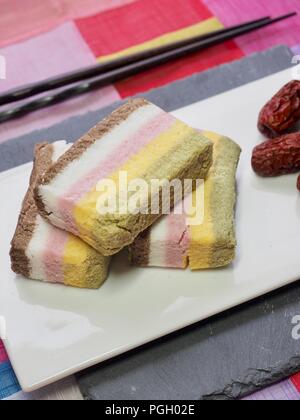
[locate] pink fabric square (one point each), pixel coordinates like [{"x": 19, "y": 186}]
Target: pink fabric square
[
  {"x": 82, "y": 8},
  {"x": 60, "y": 50},
  {"x": 21, "y": 19},
  {"x": 231, "y": 12},
  {"x": 3, "y": 355},
  {"x": 56, "y": 52},
  {"x": 279, "y": 392}
]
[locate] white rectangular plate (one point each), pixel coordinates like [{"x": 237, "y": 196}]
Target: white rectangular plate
[{"x": 54, "y": 331}]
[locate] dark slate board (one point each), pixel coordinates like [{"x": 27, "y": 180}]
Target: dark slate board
[{"x": 228, "y": 356}]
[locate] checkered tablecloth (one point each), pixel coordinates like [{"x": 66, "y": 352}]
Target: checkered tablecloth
[{"x": 64, "y": 35}]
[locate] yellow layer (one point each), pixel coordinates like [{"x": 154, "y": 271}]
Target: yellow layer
[
  {"x": 204, "y": 234},
  {"x": 85, "y": 211},
  {"x": 75, "y": 252},
  {"x": 83, "y": 267},
  {"x": 201, "y": 28}
]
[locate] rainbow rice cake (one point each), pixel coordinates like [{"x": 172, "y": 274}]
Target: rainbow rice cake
[
  {"x": 40, "y": 251},
  {"x": 138, "y": 139},
  {"x": 172, "y": 242}
]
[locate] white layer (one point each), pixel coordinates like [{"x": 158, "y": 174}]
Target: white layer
[
  {"x": 43, "y": 229},
  {"x": 36, "y": 247},
  {"x": 59, "y": 148},
  {"x": 160, "y": 239},
  {"x": 157, "y": 240},
  {"x": 97, "y": 153}
]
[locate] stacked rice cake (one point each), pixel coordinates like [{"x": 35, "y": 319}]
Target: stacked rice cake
[
  {"x": 40, "y": 251},
  {"x": 173, "y": 242},
  {"x": 139, "y": 139}
]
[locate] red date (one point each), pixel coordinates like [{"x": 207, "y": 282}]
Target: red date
[
  {"x": 277, "y": 156},
  {"x": 282, "y": 111}
]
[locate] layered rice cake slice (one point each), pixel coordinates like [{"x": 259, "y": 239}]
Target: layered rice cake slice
[
  {"x": 140, "y": 141},
  {"x": 175, "y": 242},
  {"x": 43, "y": 252}
]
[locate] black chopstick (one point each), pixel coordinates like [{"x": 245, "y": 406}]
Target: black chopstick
[
  {"x": 133, "y": 69},
  {"x": 96, "y": 70}
]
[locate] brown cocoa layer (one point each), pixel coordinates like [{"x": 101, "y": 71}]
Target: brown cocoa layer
[
  {"x": 139, "y": 250},
  {"x": 27, "y": 220},
  {"x": 95, "y": 134}
]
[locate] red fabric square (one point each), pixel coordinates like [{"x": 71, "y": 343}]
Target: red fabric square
[
  {"x": 138, "y": 22},
  {"x": 296, "y": 381},
  {"x": 179, "y": 69},
  {"x": 141, "y": 21}
]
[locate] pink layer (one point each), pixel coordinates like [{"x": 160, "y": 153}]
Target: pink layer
[
  {"x": 177, "y": 241},
  {"x": 53, "y": 255},
  {"x": 121, "y": 154}
]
